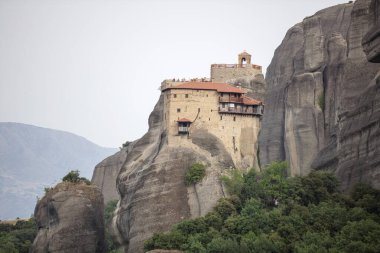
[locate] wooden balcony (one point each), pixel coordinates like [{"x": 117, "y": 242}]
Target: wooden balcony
[
  {"x": 230, "y": 100},
  {"x": 234, "y": 110}
]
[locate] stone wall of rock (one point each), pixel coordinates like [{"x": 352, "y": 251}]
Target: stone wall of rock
[
  {"x": 106, "y": 172},
  {"x": 70, "y": 220},
  {"x": 322, "y": 100},
  {"x": 371, "y": 41},
  {"x": 151, "y": 182},
  {"x": 254, "y": 85}
]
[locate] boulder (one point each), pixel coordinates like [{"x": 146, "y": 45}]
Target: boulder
[
  {"x": 371, "y": 41},
  {"x": 70, "y": 219}
]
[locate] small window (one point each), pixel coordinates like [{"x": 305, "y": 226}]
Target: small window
[
  {"x": 209, "y": 119},
  {"x": 234, "y": 118},
  {"x": 221, "y": 117},
  {"x": 199, "y": 109},
  {"x": 178, "y": 109},
  {"x": 223, "y": 105},
  {"x": 174, "y": 95},
  {"x": 186, "y": 95}
]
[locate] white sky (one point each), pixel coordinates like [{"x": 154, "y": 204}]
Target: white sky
[{"x": 93, "y": 67}]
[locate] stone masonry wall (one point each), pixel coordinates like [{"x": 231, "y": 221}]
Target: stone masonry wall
[
  {"x": 226, "y": 72},
  {"x": 238, "y": 133}
]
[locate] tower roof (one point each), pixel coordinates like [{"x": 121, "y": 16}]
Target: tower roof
[
  {"x": 219, "y": 87},
  {"x": 244, "y": 53},
  {"x": 251, "y": 101},
  {"x": 184, "y": 120}
]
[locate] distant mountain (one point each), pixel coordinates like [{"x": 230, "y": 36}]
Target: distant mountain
[{"x": 32, "y": 158}]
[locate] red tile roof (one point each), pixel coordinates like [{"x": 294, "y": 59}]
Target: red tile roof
[
  {"x": 219, "y": 87},
  {"x": 184, "y": 120},
  {"x": 251, "y": 101}
]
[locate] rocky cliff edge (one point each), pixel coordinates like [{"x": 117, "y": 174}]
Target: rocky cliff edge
[{"x": 323, "y": 98}]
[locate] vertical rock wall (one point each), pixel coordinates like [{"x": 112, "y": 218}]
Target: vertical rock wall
[
  {"x": 322, "y": 98},
  {"x": 106, "y": 172},
  {"x": 153, "y": 195}
]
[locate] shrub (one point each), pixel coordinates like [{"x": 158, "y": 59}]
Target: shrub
[
  {"x": 234, "y": 182},
  {"x": 195, "y": 174},
  {"x": 321, "y": 102},
  {"x": 73, "y": 177},
  {"x": 108, "y": 210}
]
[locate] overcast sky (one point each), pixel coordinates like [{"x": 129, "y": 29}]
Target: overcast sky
[{"x": 93, "y": 67}]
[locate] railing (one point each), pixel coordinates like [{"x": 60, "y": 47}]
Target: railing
[
  {"x": 231, "y": 99},
  {"x": 254, "y": 66},
  {"x": 240, "y": 111}
]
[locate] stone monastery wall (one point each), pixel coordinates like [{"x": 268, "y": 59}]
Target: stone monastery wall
[
  {"x": 228, "y": 72},
  {"x": 237, "y": 132}
]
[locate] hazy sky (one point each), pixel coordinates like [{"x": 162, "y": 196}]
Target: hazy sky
[{"x": 93, "y": 67}]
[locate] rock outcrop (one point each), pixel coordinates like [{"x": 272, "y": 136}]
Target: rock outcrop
[
  {"x": 151, "y": 182},
  {"x": 106, "y": 172},
  {"x": 323, "y": 98},
  {"x": 70, "y": 219},
  {"x": 371, "y": 41},
  {"x": 254, "y": 85}
]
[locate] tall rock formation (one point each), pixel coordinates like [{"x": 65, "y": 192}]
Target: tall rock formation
[
  {"x": 371, "y": 41},
  {"x": 106, "y": 172},
  {"x": 322, "y": 101},
  {"x": 151, "y": 182},
  {"x": 70, "y": 219}
]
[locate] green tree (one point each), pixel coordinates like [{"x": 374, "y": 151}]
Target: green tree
[
  {"x": 359, "y": 236},
  {"x": 108, "y": 214},
  {"x": 234, "y": 182},
  {"x": 270, "y": 212},
  {"x": 74, "y": 177}
]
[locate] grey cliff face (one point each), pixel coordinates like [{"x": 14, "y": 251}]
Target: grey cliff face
[
  {"x": 322, "y": 100},
  {"x": 105, "y": 174},
  {"x": 371, "y": 41},
  {"x": 254, "y": 85},
  {"x": 151, "y": 183},
  {"x": 70, "y": 219}
]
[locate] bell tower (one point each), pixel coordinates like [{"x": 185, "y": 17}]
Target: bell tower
[
  {"x": 225, "y": 73},
  {"x": 244, "y": 58}
]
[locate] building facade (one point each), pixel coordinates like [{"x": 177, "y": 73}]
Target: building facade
[{"x": 222, "y": 109}]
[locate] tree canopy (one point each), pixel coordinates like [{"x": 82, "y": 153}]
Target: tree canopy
[{"x": 271, "y": 212}]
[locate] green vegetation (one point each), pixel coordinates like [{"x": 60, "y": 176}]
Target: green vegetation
[
  {"x": 74, "y": 177},
  {"x": 17, "y": 238},
  {"x": 195, "y": 174},
  {"x": 270, "y": 212},
  {"x": 321, "y": 102},
  {"x": 112, "y": 246}
]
